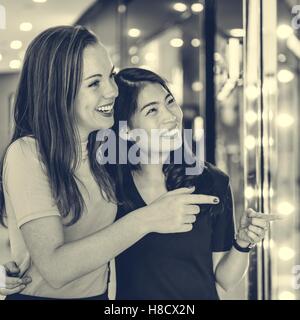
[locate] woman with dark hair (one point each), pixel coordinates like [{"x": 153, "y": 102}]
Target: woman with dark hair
[
  {"x": 59, "y": 202},
  {"x": 174, "y": 266}
]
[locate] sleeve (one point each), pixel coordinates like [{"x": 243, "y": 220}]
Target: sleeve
[
  {"x": 26, "y": 184},
  {"x": 223, "y": 226}
]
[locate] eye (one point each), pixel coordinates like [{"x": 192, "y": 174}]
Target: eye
[
  {"x": 151, "y": 111},
  {"x": 170, "y": 101},
  {"x": 113, "y": 75},
  {"x": 94, "y": 84}
]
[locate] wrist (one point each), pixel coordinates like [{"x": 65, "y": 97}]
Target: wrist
[
  {"x": 242, "y": 243},
  {"x": 141, "y": 220}
]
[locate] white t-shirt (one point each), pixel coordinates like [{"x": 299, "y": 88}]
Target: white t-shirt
[{"x": 28, "y": 197}]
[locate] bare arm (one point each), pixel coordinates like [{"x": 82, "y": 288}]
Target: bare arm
[{"x": 60, "y": 262}]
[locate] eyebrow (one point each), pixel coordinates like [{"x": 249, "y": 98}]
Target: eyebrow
[
  {"x": 154, "y": 102},
  {"x": 99, "y": 74}
]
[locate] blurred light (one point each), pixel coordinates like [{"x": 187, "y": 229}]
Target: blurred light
[
  {"x": 1, "y": 57},
  {"x": 197, "y": 7},
  {"x": 39, "y": 1},
  {"x": 217, "y": 56},
  {"x": 270, "y": 86},
  {"x": 197, "y": 86},
  {"x": 284, "y": 31},
  {"x": 196, "y": 42},
  {"x": 16, "y": 44},
  {"x": 117, "y": 69},
  {"x": 285, "y": 208},
  {"x": 286, "y": 295},
  {"x": 176, "y": 42},
  {"x": 249, "y": 193},
  {"x": 233, "y": 59},
  {"x": 285, "y": 76},
  {"x": 281, "y": 57},
  {"x": 237, "y": 33},
  {"x": 15, "y": 64},
  {"x": 252, "y": 92},
  {"x": 250, "y": 142},
  {"x": 179, "y": 6},
  {"x": 25, "y": 26},
  {"x": 135, "y": 59},
  {"x": 293, "y": 45},
  {"x": 251, "y": 117},
  {"x": 150, "y": 57},
  {"x": 268, "y": 192},
  {"x": 122, "y": 8},
  {"x": 134, "y": 32},
  {"x": 286, "y": 253},
  {"x": 133, "y": 50},
  {"x": 284, "y": 120},
  {"x": 198, "y": 128}
]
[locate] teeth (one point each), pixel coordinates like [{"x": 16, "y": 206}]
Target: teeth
[
  {"x": 105, "y": 108},
  {"x": 171, "y": 133}
]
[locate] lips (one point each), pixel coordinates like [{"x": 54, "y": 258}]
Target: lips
[
  {"x": 170, "y": 133},
  {"x": 106, "y": 109}
]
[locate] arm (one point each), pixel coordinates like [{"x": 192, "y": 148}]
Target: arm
[
  {"x": 230, "y": 267},
  {"x": 61, "y": 263}
]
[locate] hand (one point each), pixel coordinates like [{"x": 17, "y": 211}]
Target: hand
[
  {"x": 13, "y": 283},
  {"x": 253, "y": 227},
  {"x": 175, "y": 211}
]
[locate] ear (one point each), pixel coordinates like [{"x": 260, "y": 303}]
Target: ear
[{"x": 125, "y": 133}]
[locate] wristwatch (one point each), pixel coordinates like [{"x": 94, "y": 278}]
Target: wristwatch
[{"x": 242, "y": 249}]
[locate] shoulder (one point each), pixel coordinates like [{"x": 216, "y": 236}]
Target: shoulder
[
  {"x": 218, "y": 175},
  {"x": 212, "y": 180},
  {"x": 23, "y": 150}
]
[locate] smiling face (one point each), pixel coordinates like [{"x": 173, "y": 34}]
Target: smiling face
[
  {"x": 160, "y": 117},
  {"x": 97, "y": 93}
]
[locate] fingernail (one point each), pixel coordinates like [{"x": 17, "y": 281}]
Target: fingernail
[{"x": 216, "y": 200}]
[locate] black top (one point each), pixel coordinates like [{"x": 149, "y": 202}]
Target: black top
[{"x": 178, "y": 266}]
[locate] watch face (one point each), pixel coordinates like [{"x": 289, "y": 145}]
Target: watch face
[{"x": 251, "y": 245}]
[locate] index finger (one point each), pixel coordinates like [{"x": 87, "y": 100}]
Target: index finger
[
  {"x": 267, "y": 217},
  {"x": 200, "y": 199}
]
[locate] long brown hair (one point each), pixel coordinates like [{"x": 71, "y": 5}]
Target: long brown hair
[{"x": 44, "y": 108}]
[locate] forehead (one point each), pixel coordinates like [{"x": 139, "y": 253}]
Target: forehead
[
  {"x": 151, "y": 92},
  {"x": 96, "y": 60}
]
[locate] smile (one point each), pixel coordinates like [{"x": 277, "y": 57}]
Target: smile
[
  {"x": 106, "y": 109},
  {"x": 171, "y": 133}
]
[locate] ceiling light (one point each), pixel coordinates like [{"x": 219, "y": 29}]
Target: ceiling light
[
  {"x": 176, "y": 42},
  {"x": 134, "y": 33},
  {"x": 16, "y": 44},
  {"x": 15, "y": 64},
  {"x": 284, "y": 31},
  {"x": 195, "y": 42},
  {"x": 1, "y": 57},
  {"x": 285, "y": 76},
  {"x": 197, "y": 7},
  {"x": 39, "y": 1},
  {"x": 25, "y": 26},
  {"x": 179, "y": 6}
]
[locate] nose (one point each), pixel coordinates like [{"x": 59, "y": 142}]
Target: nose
[
  {"x": 169, "y": 118},
  {"x": 111, "y": 90}
]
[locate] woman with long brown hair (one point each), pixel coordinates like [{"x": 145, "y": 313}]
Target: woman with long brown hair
[{"x": 58, "y": 201}]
